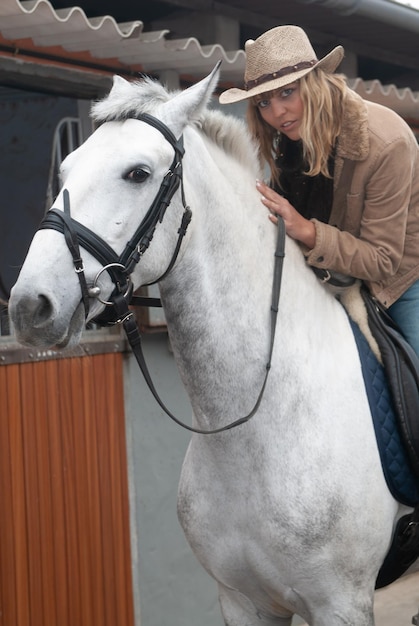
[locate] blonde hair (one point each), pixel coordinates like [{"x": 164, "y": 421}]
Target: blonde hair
[{"x": 322, "y": 95}]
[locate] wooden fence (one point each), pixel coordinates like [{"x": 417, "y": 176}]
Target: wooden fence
[{"x": 64, "y": 515}]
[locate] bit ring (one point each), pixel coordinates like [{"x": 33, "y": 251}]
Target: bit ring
[{"x": 96, "y": 286}]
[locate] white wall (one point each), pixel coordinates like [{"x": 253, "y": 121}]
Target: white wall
[{"x": 170, "y": 585}]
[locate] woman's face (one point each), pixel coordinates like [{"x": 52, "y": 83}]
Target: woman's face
[{"x": 283, "y": 110}]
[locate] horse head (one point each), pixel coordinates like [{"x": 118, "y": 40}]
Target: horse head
[{"x": 109, "y": 185}]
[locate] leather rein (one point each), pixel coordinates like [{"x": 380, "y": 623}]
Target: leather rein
[{"x": 121, "y": 267}]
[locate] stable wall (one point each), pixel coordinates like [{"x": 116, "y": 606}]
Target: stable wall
[
  {"x": 170, "y": 586},
  {"x": 27, "y": 125}
]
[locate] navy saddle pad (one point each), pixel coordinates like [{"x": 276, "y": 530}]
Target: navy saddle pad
[{"x": 400, "y": 478}]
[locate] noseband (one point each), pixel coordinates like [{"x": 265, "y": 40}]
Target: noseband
[{"x": 121, "y": 267}]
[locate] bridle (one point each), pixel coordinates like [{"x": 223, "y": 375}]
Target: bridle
[{"x": 121, "y": 267}]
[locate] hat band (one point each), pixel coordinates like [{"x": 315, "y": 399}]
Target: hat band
[{"x": 290, "y": 69}]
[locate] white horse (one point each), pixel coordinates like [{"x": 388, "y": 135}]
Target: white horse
[{"x": 290, "y": 512}]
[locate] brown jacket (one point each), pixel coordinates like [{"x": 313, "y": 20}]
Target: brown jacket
[{"x": 373, "y": 230}]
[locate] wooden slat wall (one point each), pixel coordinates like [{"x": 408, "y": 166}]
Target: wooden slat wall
[{"x": 64, "y": 518}]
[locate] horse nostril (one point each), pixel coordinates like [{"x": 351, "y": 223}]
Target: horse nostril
[
  {"x": 30, "y": 312},
  {"x": 43, "y": 311}
]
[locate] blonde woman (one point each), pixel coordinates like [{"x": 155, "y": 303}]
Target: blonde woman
[{"x": 344, "y": 171}]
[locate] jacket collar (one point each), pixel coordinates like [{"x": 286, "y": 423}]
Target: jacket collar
[{"x": 353, "y": 141}]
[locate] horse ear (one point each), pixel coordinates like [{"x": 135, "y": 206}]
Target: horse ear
[
  {"x": 188, "y": 105},
  {"x": 120, "y": 93},
  {"x": 119, "y": 85}
]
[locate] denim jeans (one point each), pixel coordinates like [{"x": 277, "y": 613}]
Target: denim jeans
[{"x": 405, "y": 312}]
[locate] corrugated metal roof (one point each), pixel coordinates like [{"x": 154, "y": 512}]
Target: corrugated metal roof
[
  {"x": 104, "y": 38},
  {"x": 150, "y": 51},
  {"x": 404, "y": 101}
]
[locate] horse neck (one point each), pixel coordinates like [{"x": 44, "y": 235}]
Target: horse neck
[
  {"x": 229, "y": 258},
  {"x": 218, "y": 298},
  {"x": 229, "y": 254}
]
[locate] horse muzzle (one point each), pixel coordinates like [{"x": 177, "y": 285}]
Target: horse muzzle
[{"x": 37, "y": 320}]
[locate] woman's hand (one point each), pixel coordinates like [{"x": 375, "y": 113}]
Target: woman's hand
[{"x": 297, "y": 226}]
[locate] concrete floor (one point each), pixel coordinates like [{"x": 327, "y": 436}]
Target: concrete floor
[{"x": 395, "y": 605}]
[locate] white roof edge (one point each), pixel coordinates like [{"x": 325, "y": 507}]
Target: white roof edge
[
  {"x": 104, "y": 38},
  {"x": 404, "y": 101}
]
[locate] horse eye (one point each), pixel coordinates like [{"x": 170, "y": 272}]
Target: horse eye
[{"x": 138, "y": 175}]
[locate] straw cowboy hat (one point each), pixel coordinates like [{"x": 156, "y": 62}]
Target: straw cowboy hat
[{"x": 279, "y": 57}]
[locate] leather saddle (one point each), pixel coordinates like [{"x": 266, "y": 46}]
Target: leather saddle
[{"x": 401, "y": 365}]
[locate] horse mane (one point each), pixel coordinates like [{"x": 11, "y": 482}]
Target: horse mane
[
  {"x": 130, "y": 99},
  {"x": 232, "y": 135}
]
